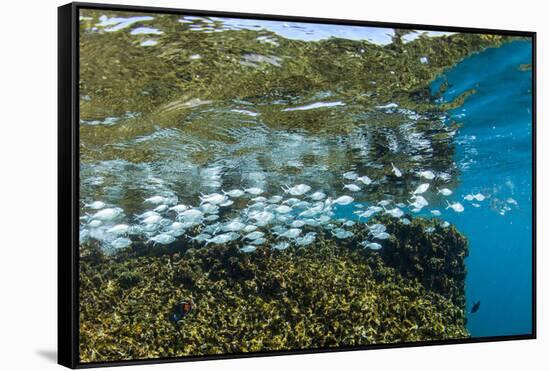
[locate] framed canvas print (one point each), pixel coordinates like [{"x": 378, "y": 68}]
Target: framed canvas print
[{"x": 235, "y": 185}]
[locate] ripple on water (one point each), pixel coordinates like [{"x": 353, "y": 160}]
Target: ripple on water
[
  {"x": 315, "y": 105},
  {"x": 146, "y": 31},
  {"x": 112, "y": 24}
]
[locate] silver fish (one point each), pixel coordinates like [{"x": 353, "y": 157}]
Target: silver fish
[
  {"x": 381, "y": 236},
  {"x": 249, "y": 228},
  {"x": 275, "y": 199},
  {"x": 318, "y": 196},
  {"x": 233, "y": 226},
  {"x": 119, "y": 229},
  {"x": 364, "y": 179},
  {"x": 156, "y": 200},
  {"x": 396, "y": 171},
  {"x": 281, "y": 245},
  {"x": 283, "y": 209},
  {"x": 291, "y": 201},
  {"x": 421, "y": 189},
  {"x": 377, "y": 228},
  {"x": 95, "y": 223},
  {"x": 163, "y": 239},
  {"x": 262, "y": 218},
  {"x": 179, "y": 208},
  {"x": 291, "y": 233},
  {"x": 350, "y": 175},
  {"x": 308, "y": 239},
  {"x": 161, "y": 208},
  {"x": 212, "y": 217},
  {"x": 190, "y": 215},
  {"x": 254, "y": 235},
  {"x": 426, "y": 174},
  {"x": 214, "y": 198},
  {"x": 371, "y": 245},
  {"x": 352, "y": 187},
  {"x": 259, "y": 241},
  {"x": 248, "y": 248},
  {"x": 298, "y": 224},
  {"x": 456, "y": 206},
  {"x": 343, "y": 200},
  {"x": 108, "y": 214},
  {"x": 445, "y": 191},
  {"x": 395, "y": 212},
  {"x": 419, "y": 202},
  {"x": 121, "y": 242},
  {"x": 235, "y": 193},
  {"x": 254, "y": 191},
  {"x": 96, "y": 205},
  {"x": 342, "y": 233},
  {"x": 202, "y": 237},
  {"x": 222, "y": 238},
  {"x": 298, "y": 190},
  {"x": 209, "y": 208},
  {"x": 226, "y": 203}
]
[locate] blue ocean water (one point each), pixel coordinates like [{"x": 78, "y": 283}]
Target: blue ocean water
[{"x": 494, "y": 154}]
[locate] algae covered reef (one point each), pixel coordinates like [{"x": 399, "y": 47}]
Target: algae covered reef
[{"x": 330, "y": 294}]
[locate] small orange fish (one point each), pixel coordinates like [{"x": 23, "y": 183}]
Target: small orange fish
[
  {"x": 181, "y": 310},
  {"x": 186, "y": 307}
]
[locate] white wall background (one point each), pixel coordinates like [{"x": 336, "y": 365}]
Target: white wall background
[{"x": 28, "y": 166}]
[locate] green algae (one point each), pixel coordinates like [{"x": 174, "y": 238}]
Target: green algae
[
  {"x": 118, "y": 77},
  {"x": 164, "y": 83},
  {"x": 330, "y": 294}
]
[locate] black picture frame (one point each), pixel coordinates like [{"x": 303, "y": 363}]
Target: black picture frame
[{"x": 68, "y": 179}]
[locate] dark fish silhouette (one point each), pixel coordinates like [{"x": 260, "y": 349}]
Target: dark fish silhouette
[
  {"x": 181, "y": 310},
  {"x": 475, "y": 307}
]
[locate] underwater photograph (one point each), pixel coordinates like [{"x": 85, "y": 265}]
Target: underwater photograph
[{"x": 252, "y": 186}]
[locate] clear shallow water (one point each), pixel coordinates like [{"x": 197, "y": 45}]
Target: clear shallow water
[{"x": 316, "y": 135}]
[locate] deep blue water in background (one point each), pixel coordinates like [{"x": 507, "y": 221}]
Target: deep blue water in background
[{"x": 494, "y": 155}]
